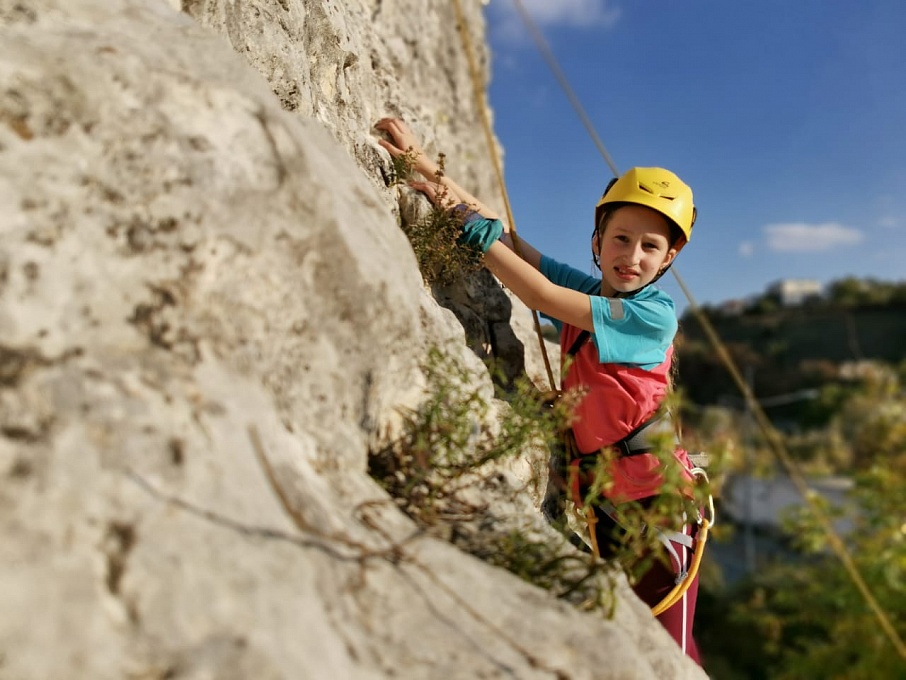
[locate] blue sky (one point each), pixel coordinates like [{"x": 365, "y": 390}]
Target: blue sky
[{"x": 786, "y": 117}]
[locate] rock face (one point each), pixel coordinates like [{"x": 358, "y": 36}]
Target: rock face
[{"x": 208, "y": 317}]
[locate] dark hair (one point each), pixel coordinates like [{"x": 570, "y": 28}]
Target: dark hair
[
  {"x": 676, "y": 234},
  {"x": 606, "y": 214}
]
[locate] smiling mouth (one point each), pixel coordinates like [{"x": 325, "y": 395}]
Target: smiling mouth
[{"x": 625, "y": 273}]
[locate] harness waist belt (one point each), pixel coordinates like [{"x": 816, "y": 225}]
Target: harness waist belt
[{"x": 639, "y": 441}]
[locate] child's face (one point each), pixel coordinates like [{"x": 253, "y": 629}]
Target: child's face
[{"x": 634, "y": 249}]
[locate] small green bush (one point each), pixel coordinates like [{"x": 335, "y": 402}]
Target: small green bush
[
  {"x": 401, "y": 167},
  {"x": 442, "y": 259}
]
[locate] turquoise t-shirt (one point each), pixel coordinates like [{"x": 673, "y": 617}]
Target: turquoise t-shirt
[{"x": 635, "y": 330}]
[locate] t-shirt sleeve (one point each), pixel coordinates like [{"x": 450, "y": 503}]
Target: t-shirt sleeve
[
  {"x": 634, "y": 331},
  {"x": 566, "y": 276}
]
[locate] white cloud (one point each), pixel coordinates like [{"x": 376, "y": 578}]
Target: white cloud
[
  {"x": 889, "y": 222},
  {"x": 804, "y": 238},
  {"x": 746, "y": 249},
  {"x": 505, "y": 20},
  {"x": 570, "y": 12}
]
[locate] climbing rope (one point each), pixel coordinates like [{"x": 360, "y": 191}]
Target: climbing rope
[
  {"x": 779, "y": 450},
  {"x": 479, "y": 94},
  {"x": 552, "y": 64},
  {"x": 777, "y": 445},
  {"x": 706, "y": 522}
]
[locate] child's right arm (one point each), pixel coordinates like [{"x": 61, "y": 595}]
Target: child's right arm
[
  {"x": 536, "y": 290},
  {"x": 525, "y": 249},
  {"x": 522, "y": 275}
]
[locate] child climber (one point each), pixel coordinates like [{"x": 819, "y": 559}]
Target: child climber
[{"x": 617, "y": 334}]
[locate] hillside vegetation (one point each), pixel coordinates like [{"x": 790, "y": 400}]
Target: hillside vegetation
[
  {"x": 784, "y": 349},
  {"x": 830, "y": 375}
]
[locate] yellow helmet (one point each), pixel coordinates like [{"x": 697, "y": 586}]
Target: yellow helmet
[{"x": 655, "y": 188}]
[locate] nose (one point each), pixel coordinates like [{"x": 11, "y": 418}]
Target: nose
[{"x": 636, "y": 252}]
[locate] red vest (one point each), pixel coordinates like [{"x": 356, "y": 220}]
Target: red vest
[{"x": 618, "y": 399}]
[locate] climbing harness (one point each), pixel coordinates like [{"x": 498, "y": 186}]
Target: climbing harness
[
  {"x": 637, "y": 442},
  {"x": 685, "y": 573}
]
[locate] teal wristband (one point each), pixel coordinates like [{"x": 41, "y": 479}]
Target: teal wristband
[{"x": 481, "y": 233}]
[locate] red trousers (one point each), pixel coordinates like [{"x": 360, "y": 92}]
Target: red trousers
[{"x": 658, "y": 581}]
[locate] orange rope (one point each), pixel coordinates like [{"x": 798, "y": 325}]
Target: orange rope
[{"x": 478, "y": 90}]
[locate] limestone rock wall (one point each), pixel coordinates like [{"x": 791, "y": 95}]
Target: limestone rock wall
[
  {"x": 349, "y": 63},
  {"x": 208, "y": 317}
]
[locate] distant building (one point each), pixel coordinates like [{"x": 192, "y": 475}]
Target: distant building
[
  {"x": 734, "y": 307},
  {"x": 793, "y": 292}
]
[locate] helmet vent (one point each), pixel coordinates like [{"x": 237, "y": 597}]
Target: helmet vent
[{"x": 655, "y": 193}]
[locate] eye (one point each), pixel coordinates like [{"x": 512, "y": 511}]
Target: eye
[
  {"x": 621, "y": 238},
  {"x": 651, "y": 245}
]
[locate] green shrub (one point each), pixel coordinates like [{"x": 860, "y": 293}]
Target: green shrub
[
  {"x": 442, "y": 259},
  {"x": 446, "y": 457}
]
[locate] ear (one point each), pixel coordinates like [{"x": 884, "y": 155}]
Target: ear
[
  {"x": 668, "y": 260},
  {"x": 672, "y": 253}
]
